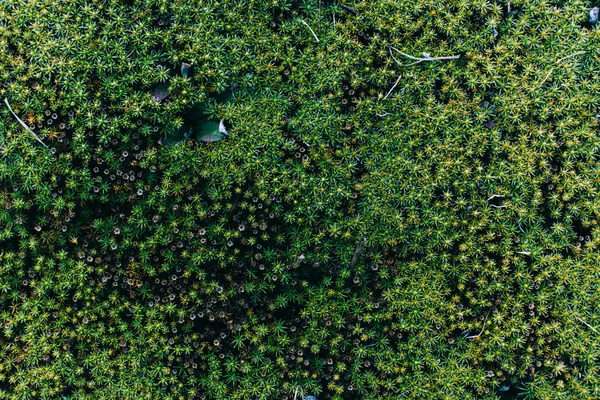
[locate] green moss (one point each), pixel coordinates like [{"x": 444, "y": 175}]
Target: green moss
[{"x": 467, "y": 159}]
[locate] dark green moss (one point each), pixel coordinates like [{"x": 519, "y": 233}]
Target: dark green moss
[{"x": 137, "y": 262}]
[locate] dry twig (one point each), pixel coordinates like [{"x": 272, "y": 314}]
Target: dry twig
[
  {"x": 23, "y": 123},
  {"x": 296, "y": 392},
  {"x": 426, "y": 57},
  {"x": 393, "y": 87},
  {"x": 494, "y": 196},
  {"x": 482, "y": 328},
  {"x": 588, "y": 325},
  {"x": 558, "y": 61},
  {"x": 313, "y": 32},
  {"x": 582, "y": 321}
]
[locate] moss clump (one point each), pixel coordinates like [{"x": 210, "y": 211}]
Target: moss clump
[{"x": 377, "y": 224}]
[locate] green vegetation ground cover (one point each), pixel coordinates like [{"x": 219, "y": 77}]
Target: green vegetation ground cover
[{"x": 370, "y": 227}]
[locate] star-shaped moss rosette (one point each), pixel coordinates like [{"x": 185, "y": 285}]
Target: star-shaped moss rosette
[{"x": 197, "y": 126}]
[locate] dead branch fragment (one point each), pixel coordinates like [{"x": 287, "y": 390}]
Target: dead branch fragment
[
  {"x": 23, "y": 123},
  {"x": 482, "y": 328},
  {"x": 426, "y": 57},
  {"x": 558, "y": 61},
  {"x": 494, "y": 196},
  {"x": 393, "y": 87},
  {"x": 313, "y": 32}
]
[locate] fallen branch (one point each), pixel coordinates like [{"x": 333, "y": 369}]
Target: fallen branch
[
  {"x": 524, "y": 252},
  {"x": 313, "y": 32},
  {"x": 426, "y": 57},
  {"x": 495, "y": 206},
  {"x": 383, "y": 115},
  {"x": 23, "y": 123}
]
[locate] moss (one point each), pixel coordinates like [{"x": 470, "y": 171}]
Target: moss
[{"x": 405, "y": 204}]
